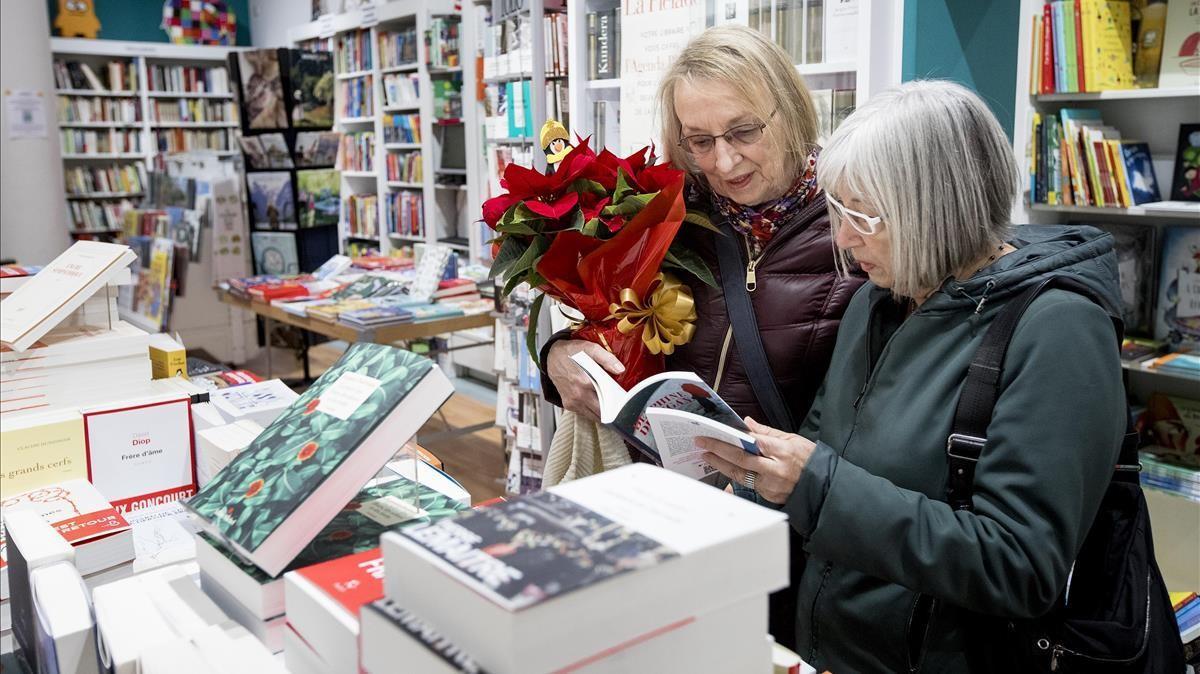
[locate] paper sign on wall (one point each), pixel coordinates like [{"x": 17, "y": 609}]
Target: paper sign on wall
[{"x": 26, "y": 114}]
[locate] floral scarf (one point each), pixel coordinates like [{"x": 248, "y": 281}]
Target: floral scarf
[{"x": 759, "y": 223}]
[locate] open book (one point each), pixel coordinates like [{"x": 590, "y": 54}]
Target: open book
[{"x": 663, "y": 415}]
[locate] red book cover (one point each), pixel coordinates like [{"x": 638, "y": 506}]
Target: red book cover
[
  {"x": 275, "y": 292},
  {"x": 352, "y": 581},
  {"x": 1079, "y": 45},
  {"x": 74, "y": 508},
  {"x": 1047, "y": 51}
]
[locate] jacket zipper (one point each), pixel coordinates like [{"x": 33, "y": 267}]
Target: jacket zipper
[
  {"x": 751, "y": 284},
  {"x": 862, "y": 393},
  {"x": 812, "y": 620},
  {"x": 751, "y": 277}
]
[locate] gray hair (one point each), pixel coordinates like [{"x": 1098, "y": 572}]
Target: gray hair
[
  {"x": 763, "y": 76},
  {"x": 933, "y": 160}
]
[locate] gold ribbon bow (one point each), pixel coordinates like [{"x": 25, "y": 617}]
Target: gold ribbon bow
[{"x": 667, "y": 321}]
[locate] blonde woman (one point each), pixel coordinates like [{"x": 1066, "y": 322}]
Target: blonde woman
[
  {"x": 920, "y": 181},
  {"x": 738, "y": 118}
]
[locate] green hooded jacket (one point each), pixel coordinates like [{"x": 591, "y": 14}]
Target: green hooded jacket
[{"x": 870, "y": 503}]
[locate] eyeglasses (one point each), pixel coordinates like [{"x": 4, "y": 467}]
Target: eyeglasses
[
  {"x": 742, "y": 135},
  {"x": 867, "y": 225}
]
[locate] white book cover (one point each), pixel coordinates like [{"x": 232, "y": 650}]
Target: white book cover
[
  {"x": 261, "y": 402},
  {"x": 1180, "y": 65},
  {"x": 497, "y": 580},
  {"x": 841, "y": 31},
  {"x": 162, "y": 535},
  {"x": 63, "y": 615},
  {"x": 58, "y": 289},
  {"x": 9, "y": 284},
  {"x": 140, "y": 452},
  {"x": 77, "y": 511}
]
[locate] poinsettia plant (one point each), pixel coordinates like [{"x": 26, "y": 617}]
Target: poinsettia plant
[{"x": 597, "y": 235}]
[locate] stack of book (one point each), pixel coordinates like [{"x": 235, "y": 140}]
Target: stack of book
[
  {"x": 301, "y": 492},
  {"x": 1166, "y": 473},
  {"x": 635, "y": 560},
  {"x": 161, "y": 622},
  {"x": 1187, "y": 614},
  {"x": 101, "y": 537},
  {"x": 63, "y": 342}
]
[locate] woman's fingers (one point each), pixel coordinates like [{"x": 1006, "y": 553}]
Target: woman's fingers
[
  {"x": 728, "y": 454},
  {"x": 734, "y": 472},
  {"x": 763, "y": 429},
  {"x": 603, "y": 358}
]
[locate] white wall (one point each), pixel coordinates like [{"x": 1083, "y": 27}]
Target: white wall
[
  {"x": 271, "y": 19},
  {"x": 33, "y": 218}
]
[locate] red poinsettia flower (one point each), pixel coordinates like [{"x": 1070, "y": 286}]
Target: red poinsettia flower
[
  {"x": 312, "y": 406},
  {"x": 306, "y": 451},
  {"x": 255, "y": 487}
]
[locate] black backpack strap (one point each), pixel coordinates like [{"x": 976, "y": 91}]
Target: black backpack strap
[
  {"x": 746, "y": 335},
  {"x": 968, "y": 434}
]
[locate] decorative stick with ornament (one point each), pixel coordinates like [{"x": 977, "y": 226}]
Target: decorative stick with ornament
[{"x": 556, "y": 142}]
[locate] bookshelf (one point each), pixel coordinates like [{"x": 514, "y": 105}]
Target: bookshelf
[
  {"x": 168, "y": 100},
  {"x": 872, "y": 66},
  {"x": 1151, "y": 115},
  {"x": 383, "y": 53}
]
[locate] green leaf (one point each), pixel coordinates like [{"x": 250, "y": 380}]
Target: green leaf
[
  {"x": 582, "y": 185},
  {"x": 591, "y": 227},
  {"x": 697, "y": 218},
  {"x": 630, "y": 206},
  {"x": 687, "y": 259},
  {"x": 516, "y": 227},
  {"x": 623, "y": 188},
  {"x": 511, "y": 284},
  {"x": 535, "y": 279},
  {"x": 531, "y": 333},
  {"x": 510, "y": 251}
]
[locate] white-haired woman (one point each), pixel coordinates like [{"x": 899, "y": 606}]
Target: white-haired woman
[
  {"x": 738, "y": 118},
  {"x": 920, "y": 182}
]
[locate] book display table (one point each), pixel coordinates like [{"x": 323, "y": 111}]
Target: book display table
[{"x": 381, "y": 335}]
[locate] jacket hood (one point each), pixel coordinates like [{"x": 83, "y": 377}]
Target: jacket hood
[{"x": 1084, "y": 253}]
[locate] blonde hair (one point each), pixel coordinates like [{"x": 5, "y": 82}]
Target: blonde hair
[
  {"x": 763, "y": 76},
  {"x": 934, "y": 162}
]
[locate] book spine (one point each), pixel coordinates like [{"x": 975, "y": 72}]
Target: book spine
[{"x": 1047, "y": 51}]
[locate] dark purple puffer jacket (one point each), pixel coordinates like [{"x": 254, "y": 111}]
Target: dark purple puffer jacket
[{"x": 798, "y": 302}]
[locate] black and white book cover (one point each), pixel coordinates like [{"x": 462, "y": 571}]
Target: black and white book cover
[
  {"x": 523, "y": 552},
  {"x": 419, "y": 630}
]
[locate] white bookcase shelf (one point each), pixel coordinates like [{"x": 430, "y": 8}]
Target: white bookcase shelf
[
  {"x": 141, "y": 56},
  {"x": 1154, "y": 116},
  {"x": 391, "y": 17},
  {"x": 1121, "y": 95}
]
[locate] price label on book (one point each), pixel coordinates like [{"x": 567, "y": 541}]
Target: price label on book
[
  {"x": 390, "y": 511},
  {"x": 346, "y": 394}
]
